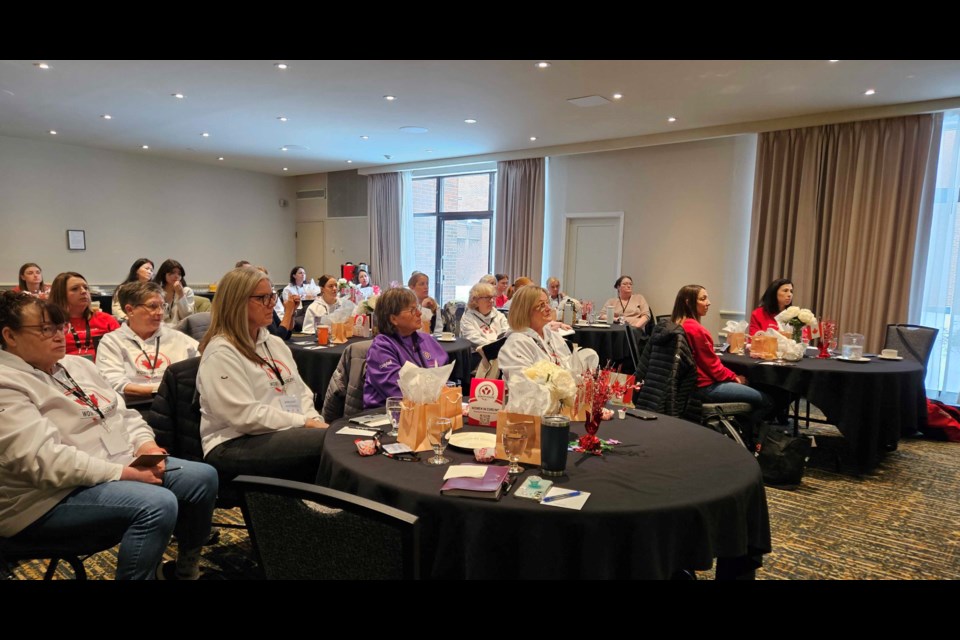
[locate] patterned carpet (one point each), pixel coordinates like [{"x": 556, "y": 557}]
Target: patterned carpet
[{"x": 900, "y": 522}]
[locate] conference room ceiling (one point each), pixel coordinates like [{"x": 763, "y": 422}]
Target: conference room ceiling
[{"x": 338, "y": 117}]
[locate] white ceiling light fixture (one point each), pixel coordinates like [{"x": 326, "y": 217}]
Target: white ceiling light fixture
[
  {"x": 543, "y": 64},
  {"x": 220, "y": 158},
  {"x": 281, "y": 65},
  {"x": 282, "y": 118},
  {"x": 617, "y": 96},
  {"x": 364, "y": 137},
  {"x": 870, "y": 92},
  {"x": 349, "y": 161},
  {"x": 286, "y": 169},
  {"x": 205, "y": 134},
  {"x": 178, "y": 96},
  {"x": 52, "y": 132},
  {"x": 533, "y": 138},
  {"x": 284, "y": 149},
  {"x": 41, "y": 65},
  {"x": 144, "y": 146},
  {"x": 470, "y": 121},
  {"x": 107, "y": 116},
  {"x": 833, "y": 61},
  {"x": 671, "y": 119},
  {"x": 389, "y": 98}
]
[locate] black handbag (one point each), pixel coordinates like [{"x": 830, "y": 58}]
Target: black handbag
[{"x": 781, "y": 456}]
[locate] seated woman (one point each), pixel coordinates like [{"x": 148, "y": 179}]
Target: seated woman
[
  {"x": 134, "y": 357},
  {"x": 322, "y": 307},
  {"x": 502, "y": 284},
  {"x": 31, "y": 281},
  {"x": 85, "y": 327},
  {"x": 366, "y": 286},
  {"x": 522, "y": 281},
  {"x": 558, "y": 299},
  {"x": 283, "y": 311},
  {"x": 532, "y": 339},
  {"x": 399, "y": 341},
  {"x": 715, "y": 382},
  {"x": 777, "y": 297},
  {"x": 68, "y": 444},
  {"x": 482, "y": 323},
  {"x": 628, "y": 306},
  {"x": 297, "y": 277},
  {"x": 140, "y": 271},
  {"x": 419, "y": 283},
  {"x": 178, "y": 296},
  {"x": 257, "y": 414}
]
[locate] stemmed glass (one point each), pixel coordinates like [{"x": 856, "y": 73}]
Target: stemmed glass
[
  {"x": 394, "y": 404},
  {"x": 780, "y": 351},
  {"x": 832, "y": 346},
  {"x": 514, "y": 442},
  {"x": 438, "y": 433}
]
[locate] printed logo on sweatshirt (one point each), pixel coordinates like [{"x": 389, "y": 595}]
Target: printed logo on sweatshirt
[
  {"x": 146, "y": 368},
  {"x": 386, "y": 364},
  {"x": 285, "y": 373}
]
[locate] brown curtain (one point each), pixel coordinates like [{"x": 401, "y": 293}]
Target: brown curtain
[
  {"x": 836, "y": 209},
  {"x": 519, "y": 214},
  {"x": 383, "y": 215}
]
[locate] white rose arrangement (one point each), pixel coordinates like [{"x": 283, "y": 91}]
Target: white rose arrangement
[{"x": 557, "y": 381}]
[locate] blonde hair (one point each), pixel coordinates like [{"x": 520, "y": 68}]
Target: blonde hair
[
  {"x": 522, "y": 281},
  {"x": 479, "y": 290},
  {"x": 521, "y": 306},
  {"x": 552, "y": 279},
  {"x": 489, "y": 279},
  {"x": 228, "y": 315}
]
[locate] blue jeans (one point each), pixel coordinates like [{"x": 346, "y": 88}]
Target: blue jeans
[
  {"x": 735, "y": 392},
  {"x": 141, "y": 516}
]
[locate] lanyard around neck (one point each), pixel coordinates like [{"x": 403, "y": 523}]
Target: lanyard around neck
[{"x": 74, "y": 389}]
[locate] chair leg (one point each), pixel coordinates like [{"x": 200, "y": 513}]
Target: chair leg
[{"x": 51, "y": 568}]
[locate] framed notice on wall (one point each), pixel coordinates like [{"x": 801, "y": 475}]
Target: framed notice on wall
[{"x": 76, "y": 240}]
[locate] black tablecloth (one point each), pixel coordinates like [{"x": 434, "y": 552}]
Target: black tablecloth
[
  {"x": 682, "y": 496},
  {"x": 871, "y": 403},
  {"x": 610, "y": 343},
  {"x": 317, "y": 366}
]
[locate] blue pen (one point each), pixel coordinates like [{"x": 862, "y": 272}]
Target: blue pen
[{"x": 561, "y": 496}]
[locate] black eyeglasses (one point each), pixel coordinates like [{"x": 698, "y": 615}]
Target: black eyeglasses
[
  {"x": 46, "y": 330},
  {"x": 267, "y": 299}
]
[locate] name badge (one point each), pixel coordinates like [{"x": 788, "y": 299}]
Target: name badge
[
  {"x": 115, "y": 440},
  {"x": 290, "y": 404}
]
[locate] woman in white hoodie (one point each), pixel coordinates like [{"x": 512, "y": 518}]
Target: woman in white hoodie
[
  {"x": 257, "y": 416},
  {"x": 69, "y": 444}
]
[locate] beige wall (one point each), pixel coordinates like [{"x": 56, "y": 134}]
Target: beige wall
[
  {"x": 132, "y": 205},
  {"x": 686, "y": 215},
  {"x": 344, "y": 238}
]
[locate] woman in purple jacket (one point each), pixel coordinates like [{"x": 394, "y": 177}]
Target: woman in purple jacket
[{"x": 399, "y": 341}]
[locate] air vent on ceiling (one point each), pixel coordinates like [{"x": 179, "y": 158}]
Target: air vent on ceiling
[{"x": 312, "y": 193}]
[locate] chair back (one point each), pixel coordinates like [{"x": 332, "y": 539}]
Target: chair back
[
  {"x": 175, "y": 413},
  {"x": 636, "y": 342},
  {"x": 302, "y": 531},
  {"x": 669, "y": 373},
  {"x": 489, "y": 366},
  {"x": 344, "y": 395},
  {"x": 196, "y": 324},
  {"x": 911, "y": 341},
  {"x": 451, "y": 314}
]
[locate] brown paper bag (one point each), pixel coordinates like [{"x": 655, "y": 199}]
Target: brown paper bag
[
  {"x": 339, "y": 333},
  {"x": 415, "y": 418},
  {"x": 531, "y": 453}
]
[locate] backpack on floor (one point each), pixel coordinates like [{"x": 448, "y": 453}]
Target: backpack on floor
[{"x": 943, "y": 421}]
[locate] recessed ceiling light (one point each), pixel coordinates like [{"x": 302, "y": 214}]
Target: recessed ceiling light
[
  {"x": 533, "y": 138},
  {"x": 220, "y": 158},
  {"x": 285, "y": 169},
  {"x": 144, "y": 146},
  {"x": 389, "y": 98},
  {"x": 617, "y": 96},
  {"x": 414, "y": 129},
  {"x": 543, "y": 64},
  {"x": 671, "y": 119},
  {"x": 205, "y": 134},
  {"x": 349, "y": 161},
  {"x": 52, "y": 132},
  {"x": 429, "y": 150},
  {"x": 178, "y": 96},
  {"x": 282, "y": 118},
  {"x": 107, "y": 116},
  {"x": 283, "y": 149},
  {"x": 41, "y": 65},
  {"x": 470, "y": 121},
  {"x": 280, "y": 65},
  {"x": 833, "y": 61},
  {"x": 869, "y": 92},
  {"x": 364, "y": 137}
]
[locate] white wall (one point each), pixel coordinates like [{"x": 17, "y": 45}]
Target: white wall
[
  {"x": 344, "y": 238},
  {"x": 686, "y": 216},
  {"x": 133, "y": 205}
]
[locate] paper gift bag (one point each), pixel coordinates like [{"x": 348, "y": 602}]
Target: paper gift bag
[
  {"x": 627, "y": 382},
  {"x": 339, "y": 333},
  {"x": 531, "y": 452},
  {"x": 415, "y": 418}
]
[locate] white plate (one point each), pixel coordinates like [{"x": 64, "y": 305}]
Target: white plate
[
  {"x": 853, "y": 359},
  {"x": 600, "y": 324},
  {"x": 446, "y": 339},
  {"x": 473, "y": 440},
  {"x": 582, "y": 324},
  {"x": 888, "y": 358}
]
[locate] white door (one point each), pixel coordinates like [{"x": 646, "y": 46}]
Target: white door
[
  {"x": 592, "y": 255},
  {"x": 310, "y": 249}
]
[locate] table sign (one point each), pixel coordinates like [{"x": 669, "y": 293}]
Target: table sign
[{"x": 486, "y": 401}]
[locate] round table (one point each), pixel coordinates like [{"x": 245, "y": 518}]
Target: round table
[
  {"x": 609, "y": 342},
  {"x": 317, "y": 365},
  {"x": 871, "y": 403},
  {"x": 674, "y": 496}
]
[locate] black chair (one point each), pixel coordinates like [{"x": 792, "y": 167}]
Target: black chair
[
  {"x": 489, "y": 354},
  {"x": 344, "y": 395},
  {"x": 662, "y": 319},
  {"x": 175, "y": 419},
  {"x": 73, "y": 552},
  {"x": 669, "y": 375},
  {"x": 636, "y": 341},
  {"x": 302, "y": 531},
  {"x": 911, "y": 341}
]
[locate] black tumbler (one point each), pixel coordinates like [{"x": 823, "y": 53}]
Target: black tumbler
[{"x": 554, "y": 437}]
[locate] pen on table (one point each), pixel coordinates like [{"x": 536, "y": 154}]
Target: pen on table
[{"x": 561, "y": 496}]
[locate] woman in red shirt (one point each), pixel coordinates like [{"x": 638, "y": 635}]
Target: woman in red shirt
[
  {"x": 777, "y": 297},
  {"x": 85, "y": 326},
  {"x": 715, "y": 382}
]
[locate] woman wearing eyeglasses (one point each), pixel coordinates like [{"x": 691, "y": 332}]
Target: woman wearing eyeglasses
[
  {"x": 628, "y": 306},
  {"x": 482, "y": 323},
  {"x": 399, "y": 342},
  {"x": 323, "y": 306},
  {"x": 133, "y": 358},
  {"x": 257, "y": 414},
  {"x": 68, "y": 444},
  {"x": 85, "y": 327},
  {"x": 531, "y": 339}
]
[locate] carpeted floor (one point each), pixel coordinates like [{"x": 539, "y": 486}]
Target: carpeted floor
[{"x": 900, "y": 522}]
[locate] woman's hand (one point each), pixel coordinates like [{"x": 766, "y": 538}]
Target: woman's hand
[
  {"x": 147, "y": 475},
  {"x": 742, "y": 380},
  {"x": 138, "y": 391},
  {"x": 316, "y": 423},
  {"x": 293, "y": 301}
]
